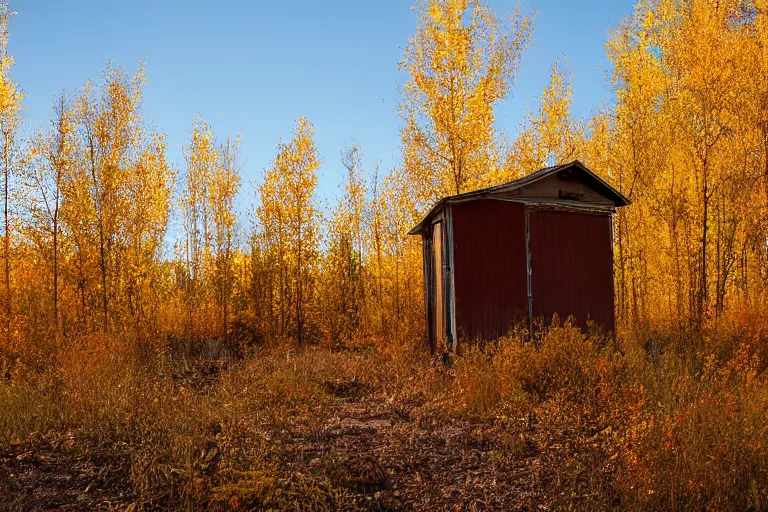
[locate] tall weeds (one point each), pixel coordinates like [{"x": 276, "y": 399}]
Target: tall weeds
[{"x": 648, "y": 421}]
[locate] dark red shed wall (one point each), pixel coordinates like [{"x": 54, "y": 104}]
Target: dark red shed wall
[
  {"x": 489, "y": 267},
  {"x": 572, "y": 266}
]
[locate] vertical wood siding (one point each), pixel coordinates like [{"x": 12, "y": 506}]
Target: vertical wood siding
[
  {"x": 489, "y": 268},
  {"x": 439, "y": 304},
  {"x": 572, "y": 266},
  {"x": 426, "y": 240}
]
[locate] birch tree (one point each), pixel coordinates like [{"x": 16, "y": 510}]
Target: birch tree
[{"x": 460, "y": 62}]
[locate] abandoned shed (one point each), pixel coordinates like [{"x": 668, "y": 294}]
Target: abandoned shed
[{"x": 519, "y": 251}]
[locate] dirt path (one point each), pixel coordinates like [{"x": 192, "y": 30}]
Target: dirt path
[
  {"x": 64, "y": 473},
  {"x": 385, "y": 456},
  {"x": 395, "y": 459}
]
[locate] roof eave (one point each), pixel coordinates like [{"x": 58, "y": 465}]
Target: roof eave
[
  {"x": 619, "y": 199},
  {"x": 418, "y": 229}
]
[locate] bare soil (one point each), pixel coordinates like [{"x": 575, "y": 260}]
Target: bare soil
[
  {"x": 63, "y": 472},
  {"x": 382, "y": 455}
]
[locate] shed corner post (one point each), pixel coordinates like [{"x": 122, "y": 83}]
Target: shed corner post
[
  {"x": 613, "y": 270},
  {"x": 528, "y": 269},
  {"x": 426, "y": 251},
  {"x": 450, "y": 290}
]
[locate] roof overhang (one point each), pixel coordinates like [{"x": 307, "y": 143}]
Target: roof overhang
[{"x": 502, "y": 192}]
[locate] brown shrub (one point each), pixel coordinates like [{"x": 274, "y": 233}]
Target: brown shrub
[{"x": 668, "y": 422}]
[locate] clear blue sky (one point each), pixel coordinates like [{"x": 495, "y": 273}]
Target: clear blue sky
[{"x": 252, "y": 67}]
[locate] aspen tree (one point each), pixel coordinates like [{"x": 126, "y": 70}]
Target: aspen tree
[
  {"x": 376, "y": 237},
  {"x": 460, "y": 62},
  {"x": 300, "y": 163},
  {"x": 290, "y": 219},
  {"x": 144, "y": 222},
  {"x": 549, "y": 132},
  {"x": 11, "y": 98},
  {"x": 52, "y": 159},
  {"x": 347, "y": 252},
  {"x": 272, "y": 215},
  {"x": 223, "y": 188},
  {"x": 680, "y": 141},
  {"x": 109, "y": 128},
  {"x": 401, "y": 255},
  {"x": 702, "y": 51},
  {"x": 636, "y": 150},
  {"x": 354, "y": 202},
  {"x": 202, "y": 159}
]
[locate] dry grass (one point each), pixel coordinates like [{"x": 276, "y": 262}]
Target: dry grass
[{"x": 574, "y": 422}]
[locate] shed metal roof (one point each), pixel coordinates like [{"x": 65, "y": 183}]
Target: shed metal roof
[{"x": 505, "y": 188}]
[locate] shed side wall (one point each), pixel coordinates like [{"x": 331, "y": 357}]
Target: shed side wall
[
  {"x": 489, "y": 267},
  {"x": 572, "y": 266},
  {"x": 426, "y": 239}
]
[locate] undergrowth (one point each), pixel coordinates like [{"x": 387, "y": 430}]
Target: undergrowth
[{"x": 642, "y": 422}]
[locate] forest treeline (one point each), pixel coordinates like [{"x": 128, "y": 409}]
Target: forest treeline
[{"x": 88, "y": 197}]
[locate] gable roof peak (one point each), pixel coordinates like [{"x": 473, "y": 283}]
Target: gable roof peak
[{"x": 496, "y": 190}]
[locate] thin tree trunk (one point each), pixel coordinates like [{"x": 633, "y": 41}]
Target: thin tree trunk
[
  {"x": 227, "y": 285},
  {"x": 103, "y": 265},
  {"x": 281, "y": 258},
  {"x": 299, "y": 298},
  {"x": 100, "y": 214},
  {"x": 7, "y": 236},
  {"x": 56, "y": 267},
  {"x": 622, "y": 268},
  {"x": 703, "y": 299}
]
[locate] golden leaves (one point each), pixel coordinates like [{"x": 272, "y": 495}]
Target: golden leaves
[
  {"x": 460, "y": 62},
  {"x": 290, "y": 223}
]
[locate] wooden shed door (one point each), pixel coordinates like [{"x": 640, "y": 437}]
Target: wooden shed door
[
  {"x": 572, "y": 266},
  {"x": 489, "y": 268},
  {"x": 439, "y": 304}
]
